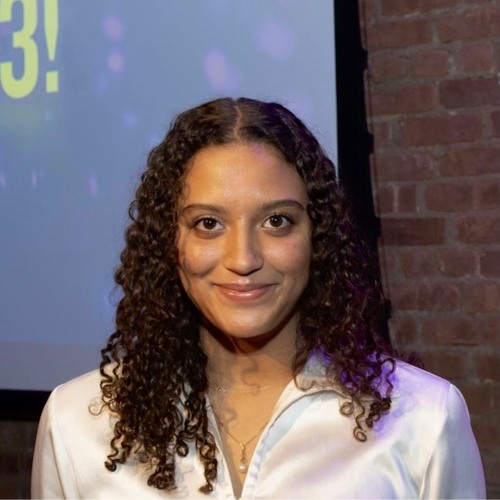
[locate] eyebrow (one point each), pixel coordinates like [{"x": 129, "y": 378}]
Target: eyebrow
[{"x": 273, "y": 205}]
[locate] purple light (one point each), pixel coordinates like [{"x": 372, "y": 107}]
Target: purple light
[
  {"x": 116, "y": 62},
  {"x": 221, "y": 77},
  {"x": 275, "y": 39},
  {"x": 113, "y": 27}
]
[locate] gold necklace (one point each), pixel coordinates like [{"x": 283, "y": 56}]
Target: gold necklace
[
  {"x": 243, "y": 465},
  {"x": 219, "y": 388}
]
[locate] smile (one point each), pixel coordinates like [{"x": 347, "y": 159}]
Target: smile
[{"x": 243, "y": 293}]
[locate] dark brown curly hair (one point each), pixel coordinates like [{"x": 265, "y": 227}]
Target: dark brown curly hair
[{"x": 153, "y": 368}]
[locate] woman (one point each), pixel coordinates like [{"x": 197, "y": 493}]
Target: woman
[{"x": 247, "y": 359}]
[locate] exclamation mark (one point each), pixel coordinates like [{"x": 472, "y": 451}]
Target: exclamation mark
[{"x": 51, "y": 22}]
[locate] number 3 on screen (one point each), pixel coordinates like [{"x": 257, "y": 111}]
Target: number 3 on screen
[{"x": 21, "y": 39}]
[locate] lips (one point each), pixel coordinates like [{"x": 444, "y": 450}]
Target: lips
[{"x": 243, "y": 293}]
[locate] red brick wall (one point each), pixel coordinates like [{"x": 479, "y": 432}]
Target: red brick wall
[{"x": 433, "y": 105}]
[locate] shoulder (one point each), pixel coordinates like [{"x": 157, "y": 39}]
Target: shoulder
[
  {"x": 414, "y": 382},
  {"x": 431, "y": 416},
  {"x": 427, "y": 414},
  {"x": 409, "y": 380},
  {"x": 78, "y": 392},
  {"x": 75, "y": 421},
  {"x": 87, "y": 382},
  {"x": 77, "y": 404},
  {"x": 426, "y": 397}
]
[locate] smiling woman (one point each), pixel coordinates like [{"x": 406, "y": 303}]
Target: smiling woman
[
  {"x": 244, "y": 240},
  {"x": 248, "y": 358},
  {"x": 244, "y": 246}
]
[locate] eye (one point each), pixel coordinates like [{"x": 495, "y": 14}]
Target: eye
[
  {"x": 277, "y": 221},
  {"x": 207, "y": 224}
]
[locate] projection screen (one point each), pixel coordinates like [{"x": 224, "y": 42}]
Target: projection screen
[{"x": 86, "y": 89}]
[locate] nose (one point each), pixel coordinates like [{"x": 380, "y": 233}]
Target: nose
[{"x": 242, "y": 251}]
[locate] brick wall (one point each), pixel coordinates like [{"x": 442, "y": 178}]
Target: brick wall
[
  {"x": 17, "y": 440},
  {"x": 433, "y": 105}
]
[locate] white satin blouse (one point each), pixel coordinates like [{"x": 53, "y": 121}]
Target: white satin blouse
[{"x": 424, "y": 448}]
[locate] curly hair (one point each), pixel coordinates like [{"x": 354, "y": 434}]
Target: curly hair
[{"x": 157, "y": 391}]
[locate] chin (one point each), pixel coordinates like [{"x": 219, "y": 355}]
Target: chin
[{"x": 259, "y": 333}]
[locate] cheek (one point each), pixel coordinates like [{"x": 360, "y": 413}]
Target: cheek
[
  {"x": 292, "y": 256},
  {"x": 196, "y": 261}
]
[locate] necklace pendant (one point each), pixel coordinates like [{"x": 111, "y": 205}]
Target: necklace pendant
[{"x": 243, "y": 466}]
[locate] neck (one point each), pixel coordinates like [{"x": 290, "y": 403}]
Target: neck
[{"x": 236, "y": 364}]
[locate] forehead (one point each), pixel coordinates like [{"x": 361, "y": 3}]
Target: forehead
[{"x": 241, "y": 170}]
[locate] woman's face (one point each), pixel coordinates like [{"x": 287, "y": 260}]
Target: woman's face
[{"x": 244, "y": 239}]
